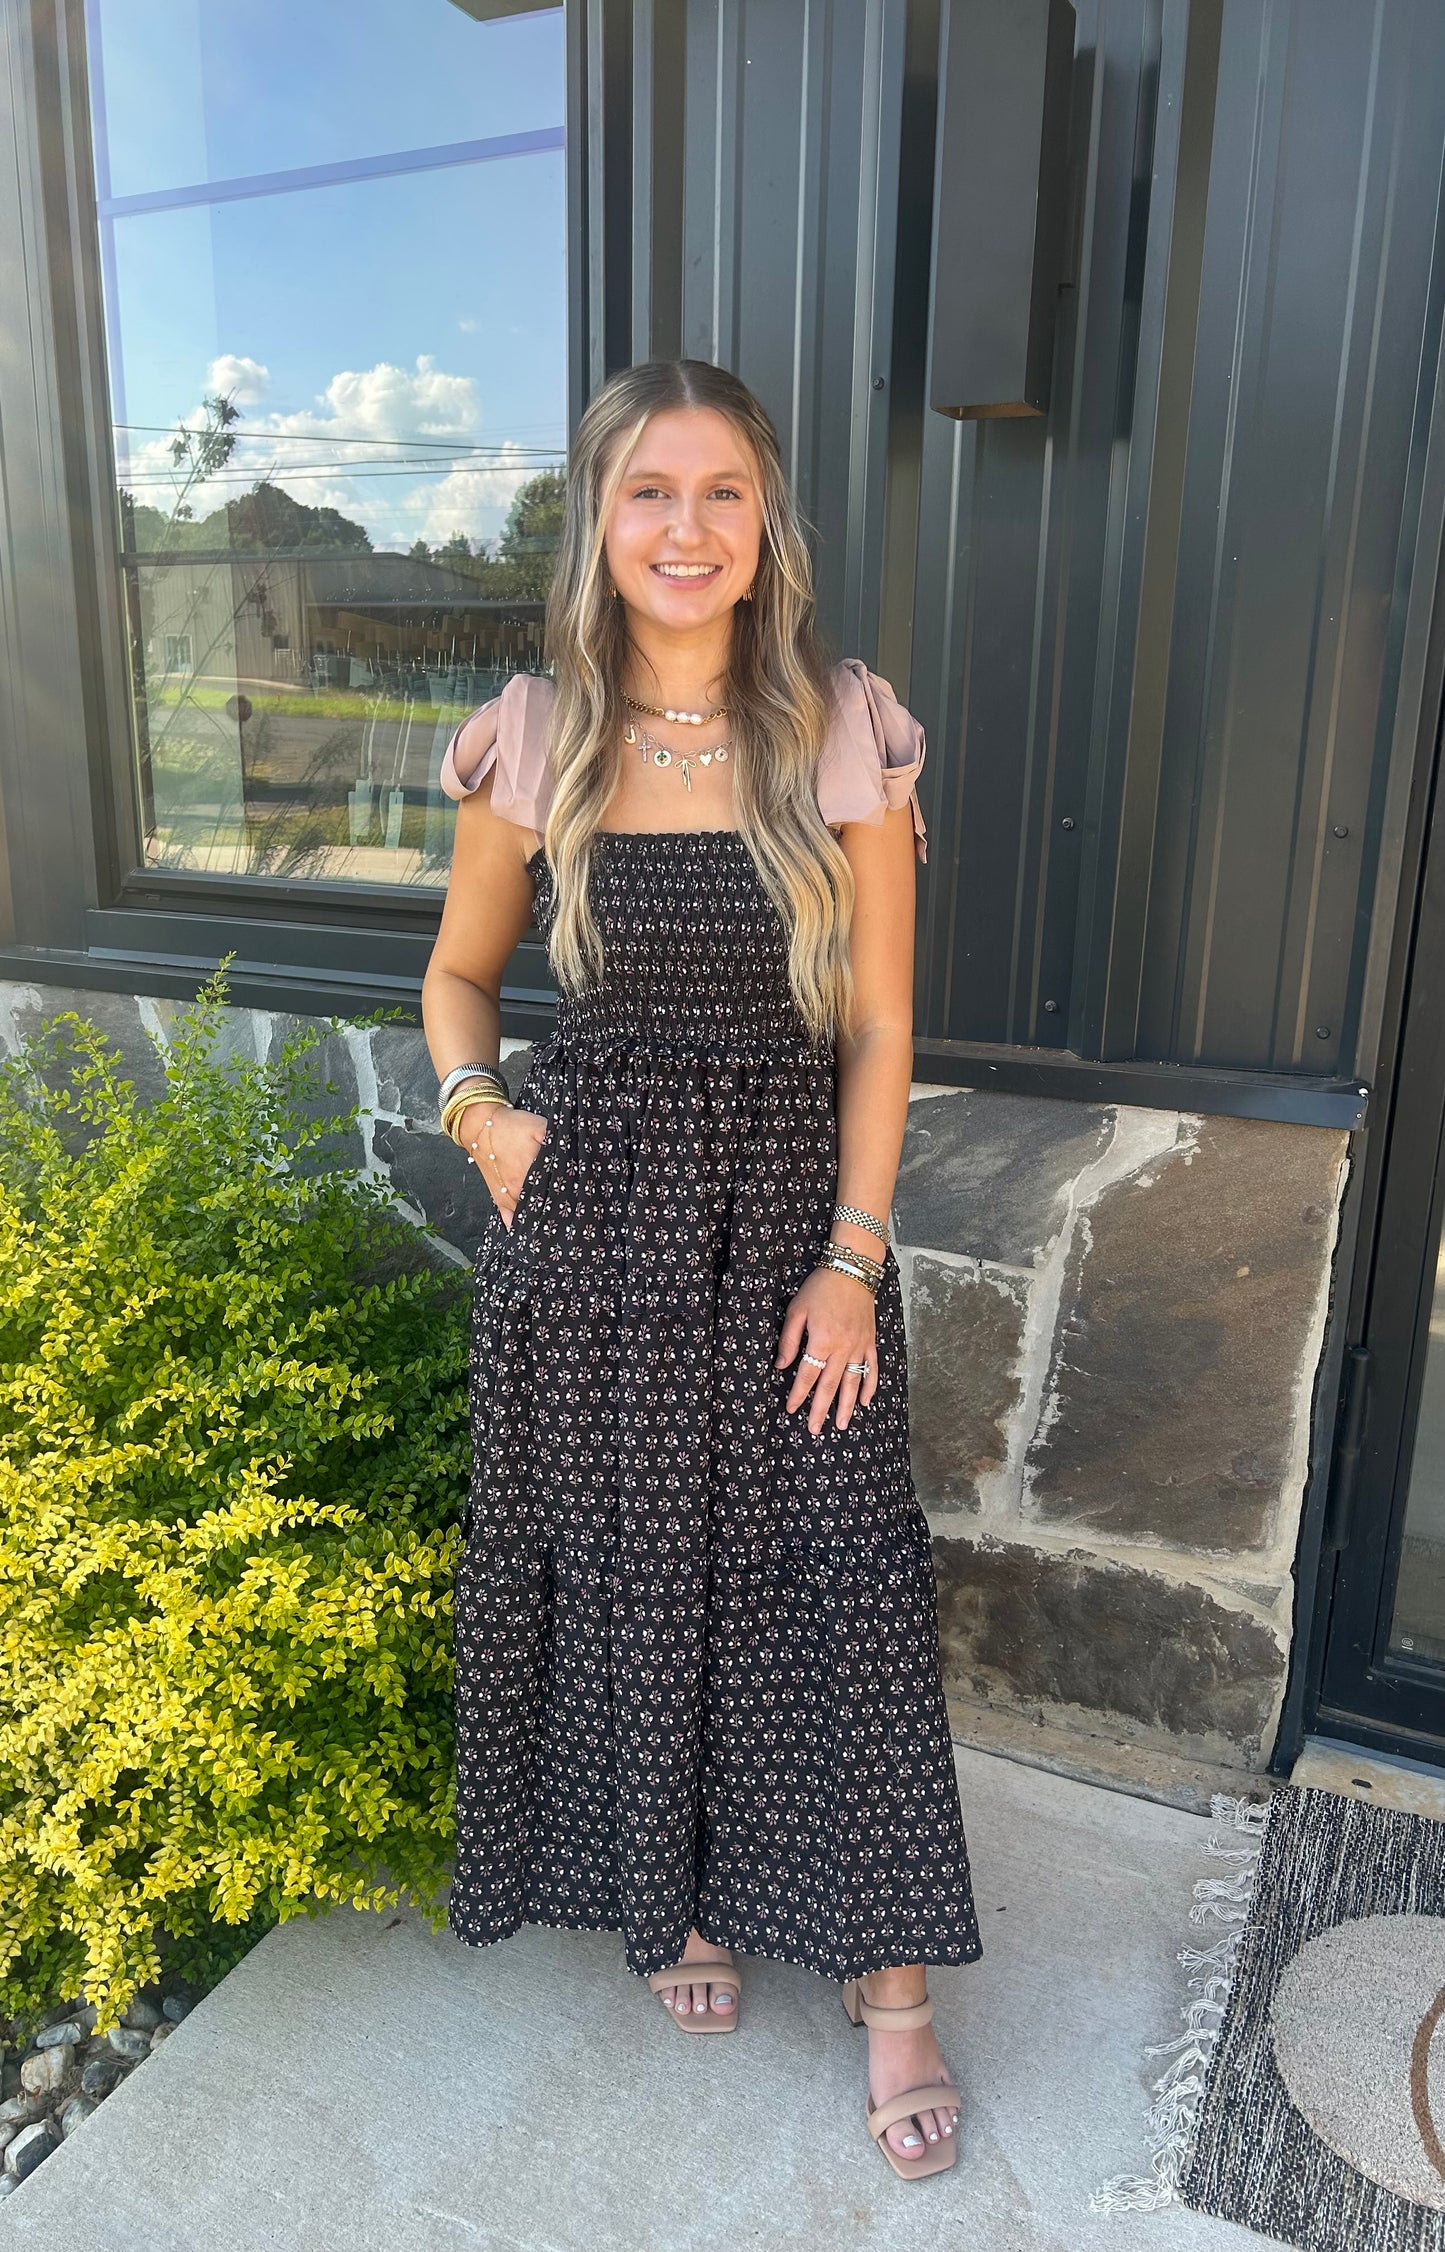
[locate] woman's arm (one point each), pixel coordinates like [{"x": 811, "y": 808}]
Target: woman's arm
[
  {"x": 875, "y": 1069},
  {"x": 488, "y": 908},
  {"x": 875, "y": 1059}
]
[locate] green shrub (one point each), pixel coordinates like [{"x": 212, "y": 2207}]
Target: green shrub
[{"x": 233, "y": 1457}]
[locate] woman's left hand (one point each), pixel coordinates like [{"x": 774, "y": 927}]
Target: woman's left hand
[{"x": 832, "y": 1318}]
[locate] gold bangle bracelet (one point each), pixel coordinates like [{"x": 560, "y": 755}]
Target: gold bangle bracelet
[
  {"x": 456, "y": 1110},
  {"x": 480, "y": 1091}
]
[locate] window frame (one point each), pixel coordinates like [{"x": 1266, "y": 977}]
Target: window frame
[{"x": 131, "y": 914}]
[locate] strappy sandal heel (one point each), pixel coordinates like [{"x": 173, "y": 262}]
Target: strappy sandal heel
[
  {"x": 708, "y": 1970},
  {"x": 937, "y": 2096}
]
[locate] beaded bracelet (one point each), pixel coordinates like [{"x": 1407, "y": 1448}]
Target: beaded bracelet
[{"x": 460, "y": 1104}]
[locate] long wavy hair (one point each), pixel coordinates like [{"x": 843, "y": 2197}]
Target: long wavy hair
[{"x": 775, "y": 687}]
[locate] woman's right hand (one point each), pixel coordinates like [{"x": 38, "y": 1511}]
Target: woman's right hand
[{"x": 514, "y": 1137}]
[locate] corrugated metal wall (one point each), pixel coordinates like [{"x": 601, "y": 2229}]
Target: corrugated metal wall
[{"x": 1153, "y": 635}]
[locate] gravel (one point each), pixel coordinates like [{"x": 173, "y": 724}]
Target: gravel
[
  {"x": 67, "y": 2035},
  {"x": 42, "y": 2074},
  {"x": 56, "y": 2071},
  {"x": 75, "y": 2113},
  {"x": 29, "y": 2148}
]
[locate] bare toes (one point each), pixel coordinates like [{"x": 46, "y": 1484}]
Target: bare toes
[{"x": 905, "y": 2138}]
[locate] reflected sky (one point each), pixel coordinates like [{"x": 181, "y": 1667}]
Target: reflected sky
[{"x": 396, "y": 344}]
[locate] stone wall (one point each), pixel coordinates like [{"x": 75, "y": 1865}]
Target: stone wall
[
  {"x": 1115, "y": 1316},
  {"x": 1115, "y": 1320}
]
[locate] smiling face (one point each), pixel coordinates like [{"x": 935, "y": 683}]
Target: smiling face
[{"x": 685, "y": 531}]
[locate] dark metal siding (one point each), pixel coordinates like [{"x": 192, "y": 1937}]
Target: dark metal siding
[
  {"x": 1318, "y": 311},
  {"x": 790, "y": 190},
  {"x": 1151, "y": 634}
]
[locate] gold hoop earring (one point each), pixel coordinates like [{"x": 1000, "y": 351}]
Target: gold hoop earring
[{"x": 747, "y": 594}]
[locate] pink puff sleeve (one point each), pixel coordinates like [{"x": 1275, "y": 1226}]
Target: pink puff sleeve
[
  {"x": 873, "y": 753},
  {"x": 510, "y": 734}
]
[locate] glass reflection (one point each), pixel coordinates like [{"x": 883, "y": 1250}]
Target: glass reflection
[
  {"x": 1418, "y": 1628},
  {"x": 337, "y": 358}
]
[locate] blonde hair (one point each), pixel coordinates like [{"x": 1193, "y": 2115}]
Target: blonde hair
[{"x": 775, "y": 688}]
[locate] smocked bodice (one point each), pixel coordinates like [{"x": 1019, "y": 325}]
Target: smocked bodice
[{"x": 695, "y": 953}]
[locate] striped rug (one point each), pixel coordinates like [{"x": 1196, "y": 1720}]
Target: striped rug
[{"x": 1306, "y": 2098}]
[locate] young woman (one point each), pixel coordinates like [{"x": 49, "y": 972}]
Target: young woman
[{"x": 697, "y": 1673}]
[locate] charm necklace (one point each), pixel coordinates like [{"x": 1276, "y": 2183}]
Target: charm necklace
[{"x": 662, "y": 756}]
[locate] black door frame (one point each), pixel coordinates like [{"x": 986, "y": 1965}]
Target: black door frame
[
  {"x": 1364, "y": 1692},
  {"x": 1405, "y": 809}
]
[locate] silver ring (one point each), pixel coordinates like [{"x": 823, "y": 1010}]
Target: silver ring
[
  {"x": 813, "y": 1360},
  {"x": 856, "y": 1368}
]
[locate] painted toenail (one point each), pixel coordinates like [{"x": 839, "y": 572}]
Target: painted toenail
[
  {"x": 934, "y": 2136},
  {"x": 911, "y": 2142}
]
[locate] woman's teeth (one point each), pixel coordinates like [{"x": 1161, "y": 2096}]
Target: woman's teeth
[{"x": 686, "y": 570}]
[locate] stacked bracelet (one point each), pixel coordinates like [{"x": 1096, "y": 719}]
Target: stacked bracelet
[
  {"x": 470, "y": 1098},
  {"x": 862, "y": 1259},
  {"x": 454, "y": 1079},
  {"x": 851, "y": 1213},
  {"x": 855, "y": 1263}
]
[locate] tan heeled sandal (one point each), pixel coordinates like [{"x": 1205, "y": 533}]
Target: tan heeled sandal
[
  {"x": 709, "y": 1971},
  {"x": 937, "y": 2096}
]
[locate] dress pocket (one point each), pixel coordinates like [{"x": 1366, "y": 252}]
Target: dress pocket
[
  {"x": 497, "y": 1237},
  {"x": 531, "y": 1179}
]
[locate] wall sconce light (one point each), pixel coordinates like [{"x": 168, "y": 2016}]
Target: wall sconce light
[{"x": 1000, "y": 204}]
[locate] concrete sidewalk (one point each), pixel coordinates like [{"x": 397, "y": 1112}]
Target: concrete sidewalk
[{"x": 361, "y": 2084}]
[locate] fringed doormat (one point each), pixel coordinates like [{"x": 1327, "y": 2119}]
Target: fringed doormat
[{"x": 1306, "y": 2099}]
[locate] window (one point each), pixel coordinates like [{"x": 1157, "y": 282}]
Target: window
[{"x": 334, "y": 266}]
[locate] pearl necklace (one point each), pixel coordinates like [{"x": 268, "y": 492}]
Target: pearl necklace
[
  {"x": 662, "y": 756},
  {"x": 688, "y": 719}
]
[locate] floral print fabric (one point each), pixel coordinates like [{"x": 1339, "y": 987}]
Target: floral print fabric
[{"x": 697, "y": 1665}]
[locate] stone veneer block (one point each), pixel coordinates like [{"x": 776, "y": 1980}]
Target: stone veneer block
[
  {"x": 989, "y": 1175},
  {"x": 406, "y": 1081},
  {"x": 117, "y": 1016},
  {"x": 332, "y": 1091},
  {"x": 434, "y": 1176},
  {"x": 965, "y": 1328},
  {"x": 1028, "y": 1628},
  {"x": 1187, "y": 1315},
  {"x": 236, "y": 1033}
]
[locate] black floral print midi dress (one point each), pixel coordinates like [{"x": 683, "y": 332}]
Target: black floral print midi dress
[{"x": 697, "y": 1662}]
